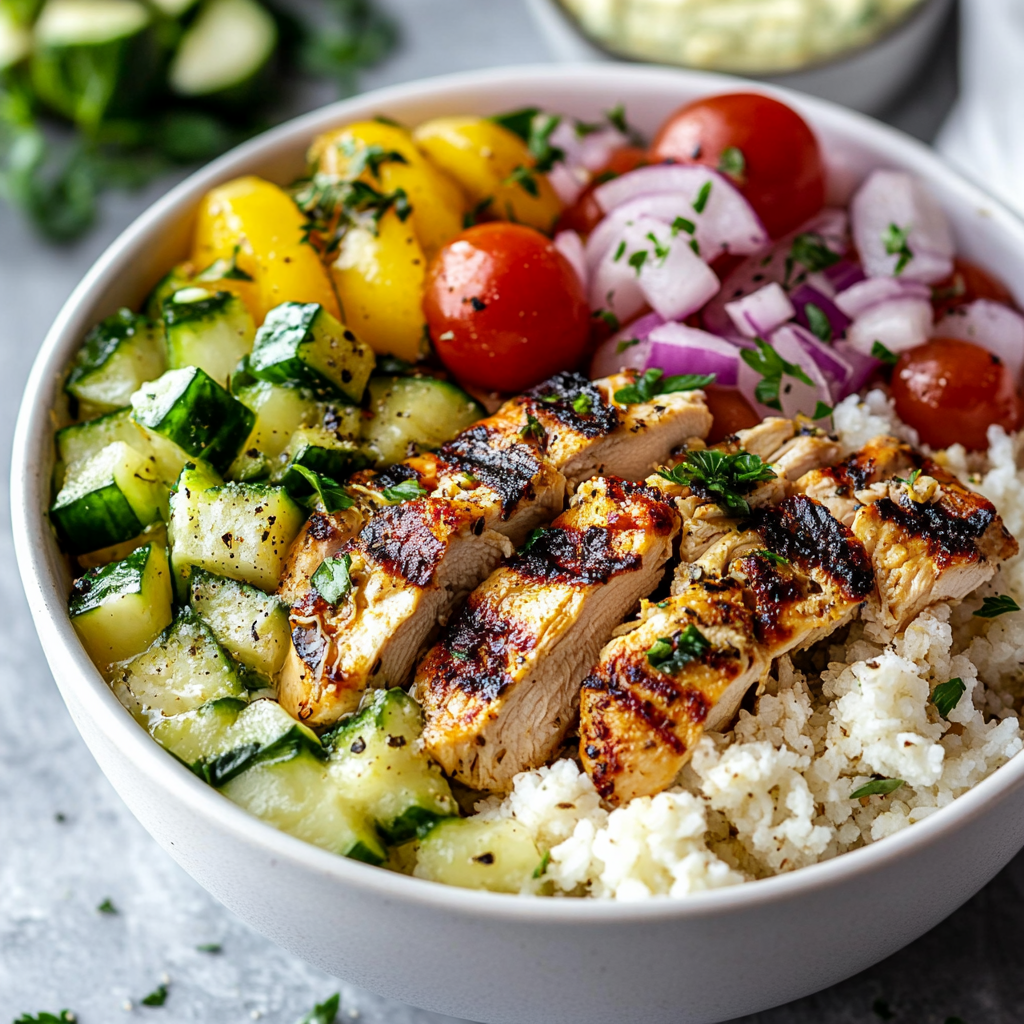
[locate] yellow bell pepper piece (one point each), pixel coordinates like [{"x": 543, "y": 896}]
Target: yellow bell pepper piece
[
  {"x": 490, "y": 162},
  {"x": 437, "y": 202},
  {"x": 379, "y": 274},
  {"x": 256, "y": 224}
]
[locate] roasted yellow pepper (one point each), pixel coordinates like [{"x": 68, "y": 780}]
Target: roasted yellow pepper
[
  {"x": 255, "y": 227},
  {"x": 491, "y": 163}
]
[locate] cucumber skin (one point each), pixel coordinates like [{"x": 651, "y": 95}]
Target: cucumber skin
[
  {"x": 334, "y": 463},
  {"x": 96, "y": 520}
]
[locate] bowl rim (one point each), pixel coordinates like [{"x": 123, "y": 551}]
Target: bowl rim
[{"x": 33, "y": 535}]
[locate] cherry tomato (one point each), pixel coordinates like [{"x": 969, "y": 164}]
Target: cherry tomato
[
  {"x": 584, "y": 215},
  {"x": 778, "y": 166},
  {"x": 951, "y": 391},
  {"x": 967, "y": 283},
  {"x": 731, "y": 411},
  {"x": 504, "y": 307}
]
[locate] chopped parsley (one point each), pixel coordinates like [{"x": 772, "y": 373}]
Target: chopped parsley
[
  {"x": 368, "y": 158},
  {"x": 519, "y": 122},
  {"x": 946, "y": 696},
  {"x": 702, "y": 197},
  {"x": 224, "y": 270},
  {"x": 627, "y": 343},
  {"x": 331, "y": 207},
  {"x": 107, "y": 907},
  {"x": 895, "y": 240},
  {"x": 683, "y": 224},
  {"x": 325, "y": 1012},
  {"x": 999, "y": 605},
  {"x": 733, "y": 164},
  {"x": 884, "y": 355},
  {"x": 523, "y": 177},
  {"x": 772, "y": 556},
  {"x": 541, "y": 868},
  {"x": 722, "y": 477},
  {"x": 155, "y": 998},
  {"x": 818, "y": 322},
  {"x": 619, "y": 252},
  {"x": 653, "y": 382},
  {"x": 810, "y": 251},
  {"x": 582, "y": 404},
  {"x": 910, "y": 481},
  {"x": 209, "y": 947},
  {"x": 405, "y": 491},
  {"x": 332, "y": 580},
  {"x": 637, "y": 260},
  {"x": 539, "y": 142},
  {"x": 772, "y": 367},
  {"x": 471, "y": 217},
  {"x": 326, "y": 491},
  {"x": 535, "y": 535},
  {"x": 660, "y": 251},
  {"x": 616, "y": 117},
  {"x": 608, "y": 317},
  {"x": 671, "y": 654},
  {"x": 821, "y": 411},
  {"x": 533, "y": 428},
  {"x": 64, "y": 1017},
  {"x": 876, "y": 787}
]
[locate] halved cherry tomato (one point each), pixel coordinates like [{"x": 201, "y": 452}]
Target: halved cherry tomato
[
  {"x": 584, "y": 215},
  {"x": 731, "y": 412},
  {"x": 952, "y": 391},
  {"x": 765, "y": 147},
  {"x": 967, "y": 283},
  {"x": 505, "y": 308}
]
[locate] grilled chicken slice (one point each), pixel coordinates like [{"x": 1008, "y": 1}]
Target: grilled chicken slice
[
  {"x": 656, "y": 689},
  {"x": 499, "y": 690}
]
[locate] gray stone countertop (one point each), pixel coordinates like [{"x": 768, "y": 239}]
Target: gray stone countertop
[{"x": 67, "y": 843}]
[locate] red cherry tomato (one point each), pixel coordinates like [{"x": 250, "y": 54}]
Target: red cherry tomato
[
  {"x": 584, "y": 215},
  {"x": 967, "y": 283},
  {"x": 781, "y": 171},
  {"x": 951, "y": 391},
  {"x": 731, "y": 412},
  {"x": 504, "y": 307}
]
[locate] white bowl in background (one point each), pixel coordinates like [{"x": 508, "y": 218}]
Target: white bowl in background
[
  {"x": 866, "y": 78},
  {"x": 489, "y": 957}
]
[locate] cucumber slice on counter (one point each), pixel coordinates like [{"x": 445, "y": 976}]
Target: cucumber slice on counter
[
  {"x": 108, "y": 498},
  {"x": 189, "y": 408},
  {"x": 211, "y": 330},
  {"x": 379, "y": 767},
  {"x": 301, "y": 343},
  {"x": 253, "y": 626},
  {"x": 174, "y": 280},
  {"x": 320, "y": 451},
  {"x": 182, "y": 670},
  {"x": 117, "y": 357},
  {"x": 225, "y": 50},
  {"x": 413, "y": 414},
  {"x": 121, "y": 608}
]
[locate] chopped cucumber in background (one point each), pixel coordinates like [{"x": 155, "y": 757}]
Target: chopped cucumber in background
[{"x": 141, "y": 86}]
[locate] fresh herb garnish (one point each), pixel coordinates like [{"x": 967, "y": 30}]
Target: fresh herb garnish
[
  {"x": 772, "y": 556},
  {"x": 627, "y": 343},
  {"x": 883, "y": 355},
  {"x": 821, "y": 411},
  {"x": 404, "y": 491},
  {"x": 325, "y": 1012},
  {"x": 722, "y": 477},
  {"x": 542, "y": 867},
  {"x": 619, "y": 252},
  {"x": 535, "y": 535},
  {"x": 518, "y": 122},
  {"x": 947, "y": 695},
  {"x": 895, "y": 240},
  {"x": 332, "y": 580},
  {"x": 637, "y": 260},
  {"x": 733, "y": 164},
  {"x": 64, "y": 1017},
  {"x": 107, "y": 907},
  {"x": 608, "y": 317},
  {"x": 910, "y": 481},
  {"x": 818, "y": 322},
  {"x": 533, "y": 428},
  {"x": 616, "y": 117},
  {"x": 209, "y": 947},
  {"x": 524, "y": 178},
  {"x": 328, "y": 492},
  {"x": 224, "y": 270},
  {"x": 539, "y": 142},
  {"x": 155, "y": 998},
  {"x": 682, "y": 224},
  {"x": 811, "y": 252},
  {"x": 876, "y": 787},
  {"x": 368, "y": 158},
  {"x": 471, "y": 217},
  {"x": 772, "y": 367},
  {"x": 582, "y": 404},
  {"x": 653, "y": 382},
  {"x": 999, "y": 605},
  {"x": 671, "y": 654},
  {"x": 332, "y": 207},
  {"x": 702, "y": 197},
  {"x": 660, "y": 251}
]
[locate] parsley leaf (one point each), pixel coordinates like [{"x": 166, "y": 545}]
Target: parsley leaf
[
  {"x": 877, "y": 787},
  {"x": 325, "y": 1012},
  {"x": 821, "y": 410},
  {"x": 155, "y": 998},
  {"x": 535, "y": 535},
  {"x": 471, "y": 217},
  {"x": 519, "y": 122},
  {"x": 405, "y": 491},
  {"x": 653, "y": 382},
  {"x": 772, "y": 367},
  {"x": 733, "y": 164},
  {"x": 882, "y": 354},
  {"x": 332, "y": 580},
  {"x": 107, "y": 907},
  {"x": 209, "y": 947},
  {"x": 623, "y": 345},
  {"x": 539, "y": 142},
  {"x": 224, "y": 270},
  {"x": 619, "y": 252},
  {"x": 616, "y": 117},
  {"x": 947, "y": 695},
  {"x": 818, "y": 322},
  {"x": 523, "y": 177},
  {"x": 542, "y": 867},
  {"x": 608, "y": 317},
  {"x": 721, "y": 477},
  {"x": 702, "y": 197},
  {"x": 533, "y": 428},
  {"x": 637, "y": 260},
  {"x": 999, "y": 605},
  {"x": 582, "y": 404},
  {"x": 683, "y": 224},
  {"x": 811, "y": 252},
  {"x": 895, "y": 240},
  {"x": 772, "y": 556},
  {"x": 368, "y": 158},
  {"x": 327, "y": 491},
  {"x": 909, "y": 482},
  {"x": 332, "y": 206},
  {"x": 671, "y": 654},
  {"x": 64, "y": 1017}
]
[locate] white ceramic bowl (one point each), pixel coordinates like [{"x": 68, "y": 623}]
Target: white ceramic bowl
[{"x": 490, "y": 957}]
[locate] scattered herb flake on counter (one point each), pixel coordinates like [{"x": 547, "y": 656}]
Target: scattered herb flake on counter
[
  {"x": 883, "y": 355},
  {"x": 653, "y": 382},
  {"x": 721, "y": 477},
  {"x": 107, "y": 907},
  {"x": 327, "y": 491},
  {"x": 332, "y": 580},
  {"x": 64, "y": 1017},
  {"x": 671, "y": 654},
  {"x": 947, "y": 695},
  {"x": 209, "y": 947},
  {"x": 772, "y": 367},
  {"x": 405, "y": 491},
  {"x": 876, "y": 787},
  {"x": 998, "y": 605},
  {"x": 157, "y": 997},
  {"x": 895, "y": 239},
  {"x": 325, "y": 1012}
]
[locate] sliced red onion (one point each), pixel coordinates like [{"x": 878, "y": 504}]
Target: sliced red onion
[
  {"x": 673, "y": 278},
  {"x": 807, "y": 294},
  {"x": 861, "y": 297},
  {"x": 676, "y": 348},
  {"x": 862, "y": 367},
  {"x": 844, "y": 274},
  {"x": 608, "y": 233},
  {"x": 625, "y": 350},
  {"x": 570, "y": 245},
  {"x": 991, "y": 325},
  {"x": 892, "y": 206},
  {"x": 614, "y": 283},
  {"x": 759, "y": 313},
  {"x": 795, "y": 396},
  {"x": 589, "y": 150},
  {"x": 898, "y": 324},
  {"x": 834, "y": 367},
  {"x": 723, "y": 219}
]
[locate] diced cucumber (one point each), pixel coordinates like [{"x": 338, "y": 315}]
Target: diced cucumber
[
  {"x": 299, "y": 796},
  {"x": 227, "y": 737},
  {"x": 280, "y": 411},
  {"x": 242, "y": 531},
  {"x": 178, "y": 277},
  {"x": 253, "y": 626},
  {"x": 380, "y": 767},
  {"x": 301, "y": 343},
  {"x": 211, "y": 330},
  {"x": 321, "y": 452},
  {"x": 499, "y": 855},
  {"x": 189, "y": 408},
  {"x": 117, "y": 357},
  {"x": 184, "y": 669},
  {"x": 120, "y": 609},
  {"x": 224, "y": 50},
  {"x": 413, "y": 414},
  {"x": 107, "y": 499}
]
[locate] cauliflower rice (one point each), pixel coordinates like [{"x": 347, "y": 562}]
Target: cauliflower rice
[{"x": 773, "y": 794}]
